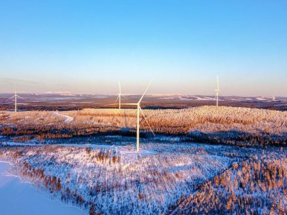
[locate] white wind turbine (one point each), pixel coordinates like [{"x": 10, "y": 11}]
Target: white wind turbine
[
  {"x": 140, "y": 111},
  {"x": 217, "y": 91},
  {"x": 15, "y": 97},
  {"x": 119, "y": 98}
]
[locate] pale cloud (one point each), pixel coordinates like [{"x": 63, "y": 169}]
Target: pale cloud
[{"x": 13, "y": 81}]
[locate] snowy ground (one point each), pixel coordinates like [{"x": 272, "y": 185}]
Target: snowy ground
[
  {"x": 116, "y": 179},
  {"x": 19, "y": 198},
  {"x": 113, "y": 179},
  {"x": 68, "y": 119}
]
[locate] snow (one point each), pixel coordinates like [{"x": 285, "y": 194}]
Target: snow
[
  {"x": 196, "y": 98},
  {"x": 161, "y": 172},
  {"x": 67, "y": 118},
  {"x": 261, "y": 99},
  {"x": 18, "y": 197},
  {"x": 145, "y": 183},
  {"x": 18, "y": 144}
]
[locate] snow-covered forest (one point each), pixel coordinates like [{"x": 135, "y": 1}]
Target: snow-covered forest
[
  {"x": 224, "y": 125},
  {"x": 162, "y": 179}
]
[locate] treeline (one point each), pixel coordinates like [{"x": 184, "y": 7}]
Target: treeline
[
  {"x": 54, "y": 132},
  {"x": 237, "y": 138}
]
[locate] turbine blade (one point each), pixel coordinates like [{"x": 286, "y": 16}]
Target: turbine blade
[
  {"x": 220, "y": 92},
  {"x": 146, "y": 121},
  {"x": 124, "y": 97},
  {"x": 10, "y": 98},
  {"x": 20, "y": 97},
  {"x": 145, "y": 91},
  {"x": 104, "y": 105},
  {"x": 117, "y": 99},
  {"x": 130, "y": 104},
  {"x": 120, "y": 88}
]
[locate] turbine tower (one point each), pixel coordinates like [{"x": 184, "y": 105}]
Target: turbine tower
[
  {"x": 15, "y": 97},
  {"x": 217, "y": 91},
  {"x": 140, "y": 112}
]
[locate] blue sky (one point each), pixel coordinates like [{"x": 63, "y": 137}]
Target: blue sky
[{"x": 87, "y": 46}]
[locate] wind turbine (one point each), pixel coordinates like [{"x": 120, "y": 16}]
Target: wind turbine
[
  {"x": 15, "y": 97},
  {"x": 119, "y": 96},
  {"x": 217, "y": 91},
  {"x": 140, "y": 111}
]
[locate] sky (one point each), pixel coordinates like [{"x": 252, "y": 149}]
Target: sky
[{"x": 87, "y": 46}]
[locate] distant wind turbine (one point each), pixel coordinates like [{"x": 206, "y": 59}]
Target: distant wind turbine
[
  {"x": 140, "y": 111},
  {"x": 217, "y": 91},
  {"x": 119, "y": 98},
  {"x": 15, "y": 97}
]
